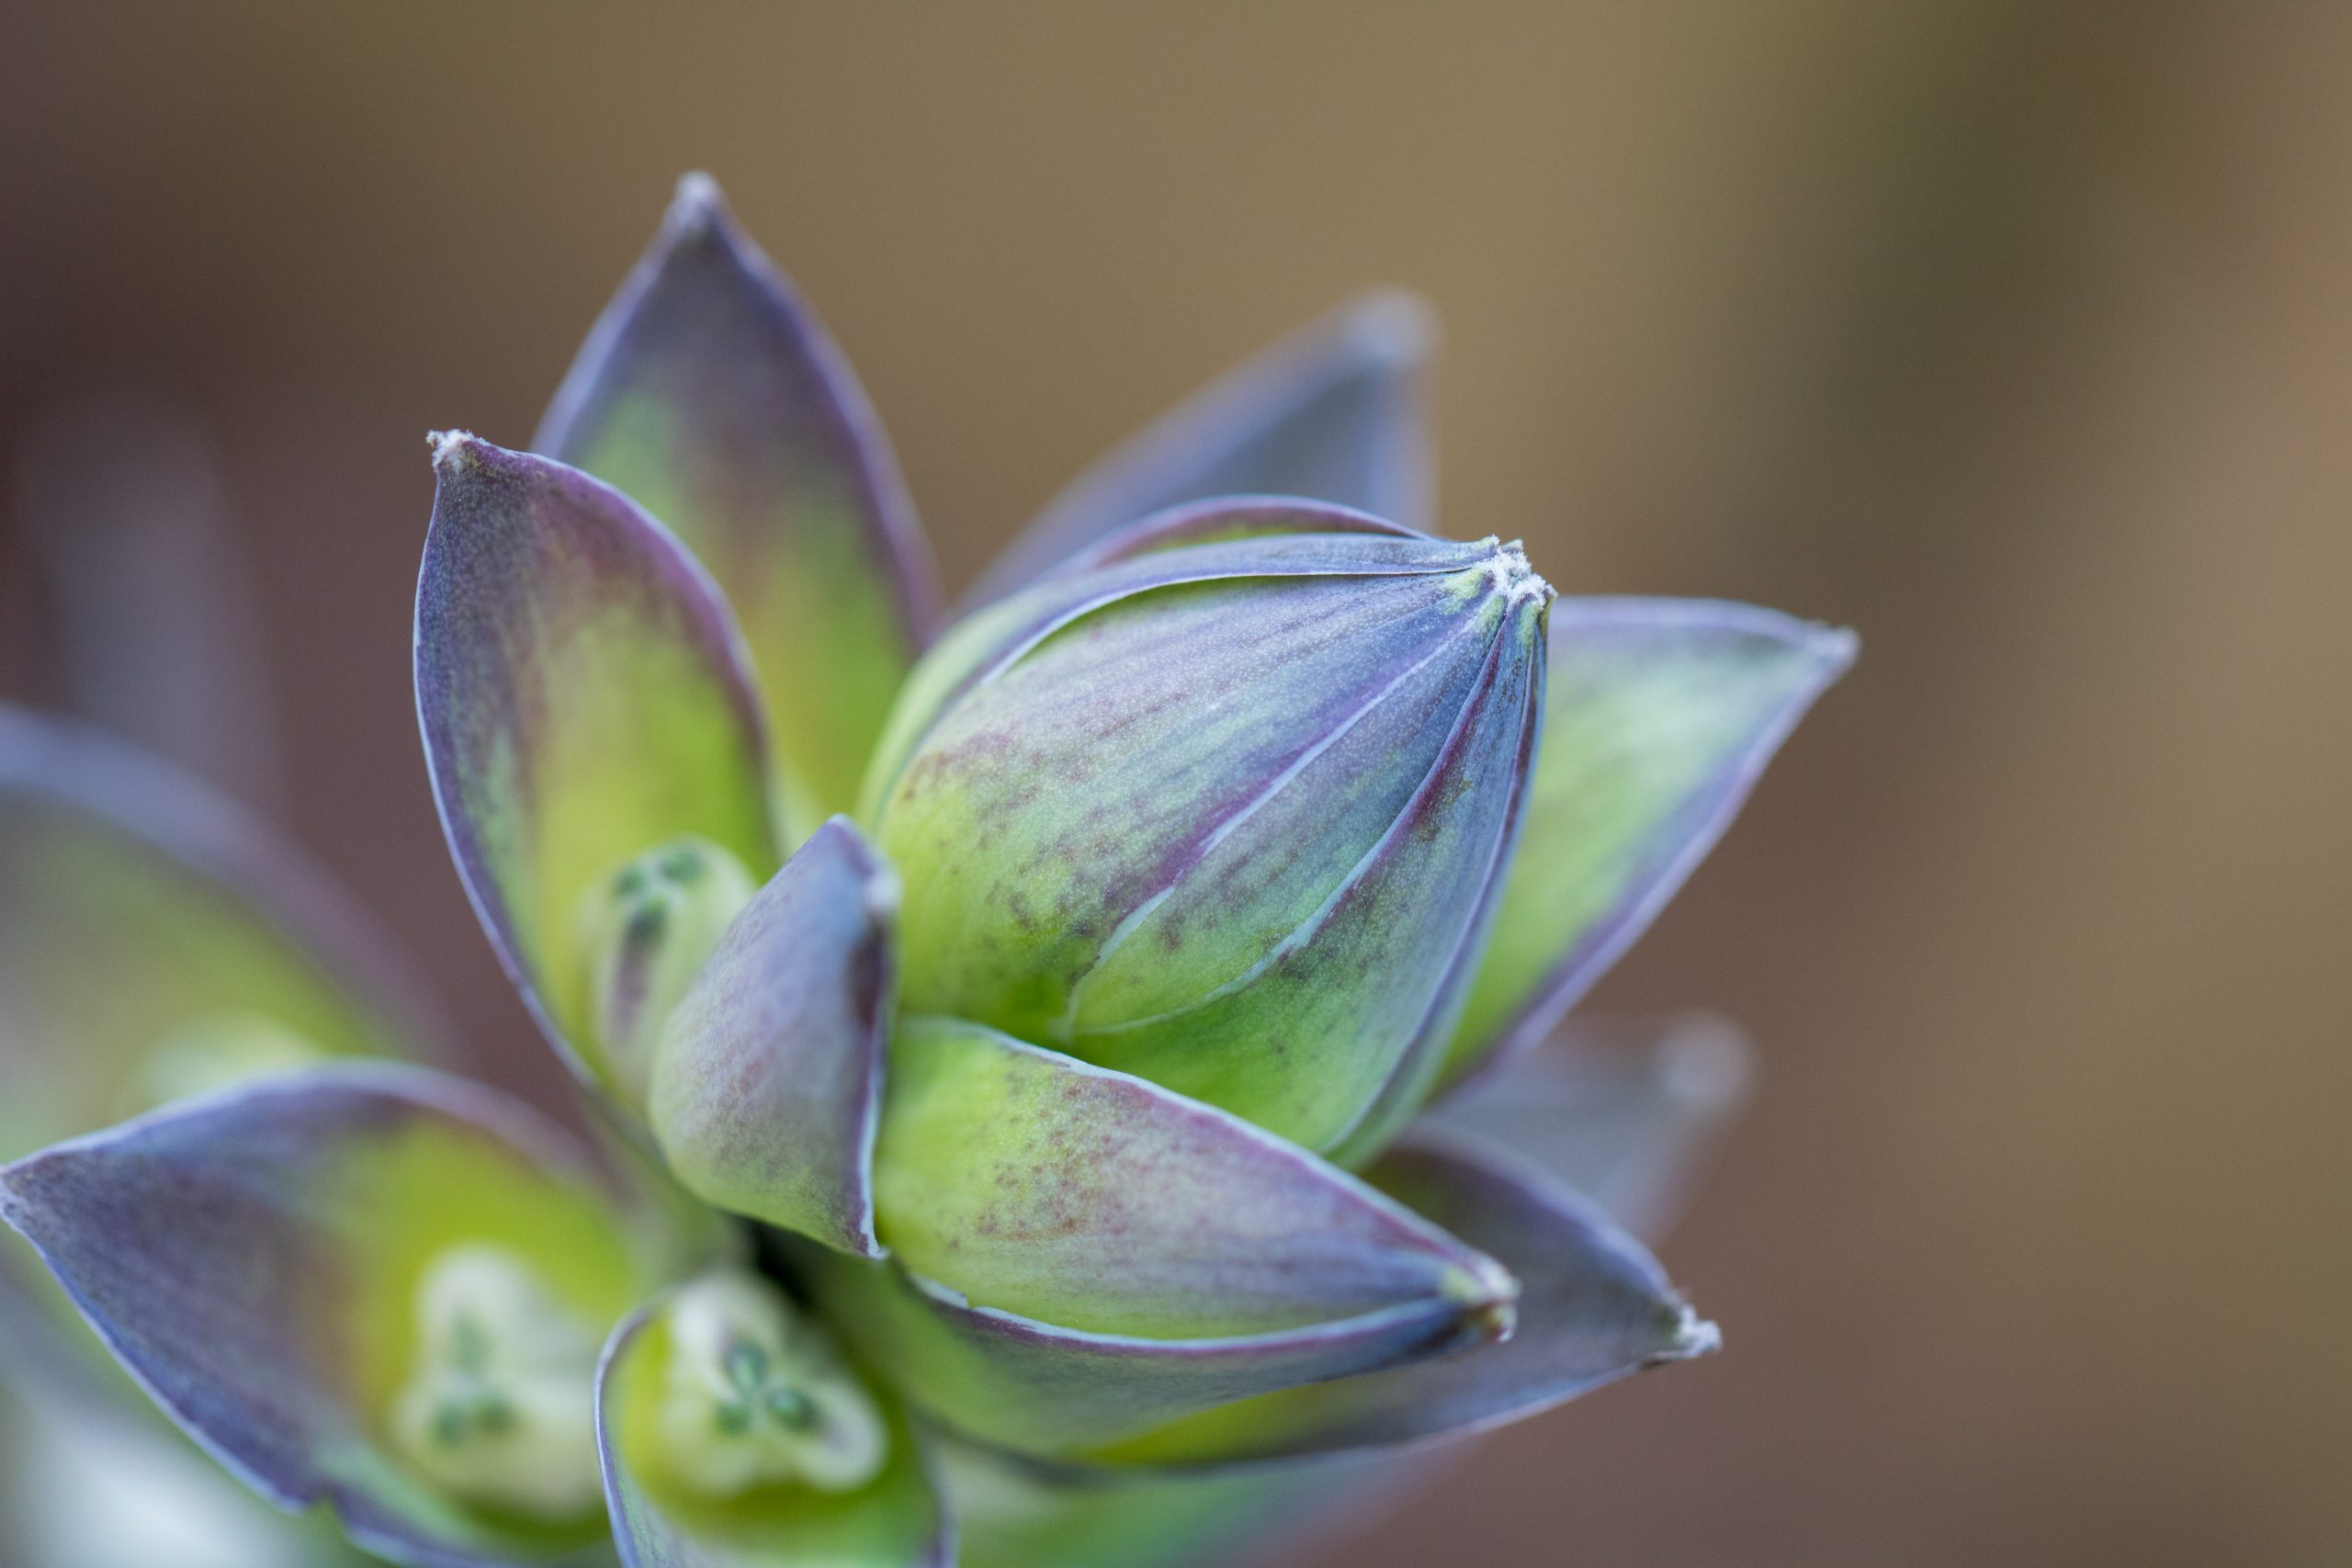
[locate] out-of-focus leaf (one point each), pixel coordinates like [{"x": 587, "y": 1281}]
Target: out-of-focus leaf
[
  {"x": 1625, "y": 1111},
  {"x": 160, "y": 643},
  {"x": 1332, "y": 412},
  {"x": 1010, "y": 1514},
  {"x": 88, "y": 1486},
  {"x": 155, "y": 938},
  {"x": 711, "y": 394}
]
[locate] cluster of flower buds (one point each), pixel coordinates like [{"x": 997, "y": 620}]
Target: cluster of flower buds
[{"x": 1012, "y": 1039}]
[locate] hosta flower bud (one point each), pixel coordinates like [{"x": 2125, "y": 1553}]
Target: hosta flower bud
[
  {"x": 500, "y": 1406},
  {"x": 1226, "y": 810},
  {"x": 644, "y": 934}
]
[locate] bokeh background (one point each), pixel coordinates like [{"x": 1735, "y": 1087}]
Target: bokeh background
[{"x": 2018, "y": 337}]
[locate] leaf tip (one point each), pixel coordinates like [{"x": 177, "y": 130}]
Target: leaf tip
[
  {"x": 453, "y": 450},
  {"x": 1836, "y": 648},
  {"x": 698, "y": 207},
  {"x": 1693, "y": 1337},
  {"x": 1393, "y": 327},
  {"x": 12, "y": 1195},
  {"x": 1705, "y": 1063},
  {"x": 1513, "y": 576},
  {"x": 1488, "y": 1296}
]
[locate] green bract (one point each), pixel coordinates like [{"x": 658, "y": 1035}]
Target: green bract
[{"x": 1050, "y": 1005}]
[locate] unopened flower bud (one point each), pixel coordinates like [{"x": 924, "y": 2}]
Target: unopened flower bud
[
  {"x": 646, "y": 930},
  {"x": 1234, "y": 819},
  {"x": 755, "y": 1394},
  {"x": 500, "y": 1404}
]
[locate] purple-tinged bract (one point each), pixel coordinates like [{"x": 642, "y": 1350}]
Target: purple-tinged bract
[
  {"x": 584, "y": 700},
  {"x": 767, "y": 1084},
  {"x": 714, "y": 397}
]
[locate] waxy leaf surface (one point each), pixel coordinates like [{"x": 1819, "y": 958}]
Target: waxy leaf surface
[
  {"x": 712, "y": 395},
  {"x": 1332, "y": 412},
  {"x": 768, "y": 1082},
  {"x": 1660, "y": 716},
  {"x": 1034, "y": 1184},
  {"x": 584, "y": 699},
  {"x": 254, "y": 1259}
]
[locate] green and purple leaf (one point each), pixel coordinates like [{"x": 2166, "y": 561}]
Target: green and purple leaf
[
  {"x": 1035, "y": 1185},
  {"x": 767, "y": 1084},
  {"x": 1230, "y": 816},
  {"x": 1593, "y": 1307},
  {"x": 1037, "y": 1389},
  {"x": 662, "y": 1520},
  {"x": 583, "y": 698},
  {"x": 1660, "y": 716},
  {"x": 710, "y": 393},
  {"x": 254, "y": 1258},
  {"x": 1332, "y": 412}
]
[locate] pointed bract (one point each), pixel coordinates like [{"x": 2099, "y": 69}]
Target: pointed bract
[
  {"x": 1594, "y": 1308},
  {"x": 1033, "y": 1184},
  {"x": 768, "y": 1082},
  {"x": 271, "y": 1264},
  {"x": 584, "y": 700},
  {"x": 1660, "y": 716},
  {"x": 1332, "y": 412},
  {"x": 712, "y": 395},
  {"x": 661, "y": 1519},
  {"x": 1228, "y": 816}
]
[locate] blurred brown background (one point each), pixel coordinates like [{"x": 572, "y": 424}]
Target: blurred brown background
[{"x": 2018, "y": 337}]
